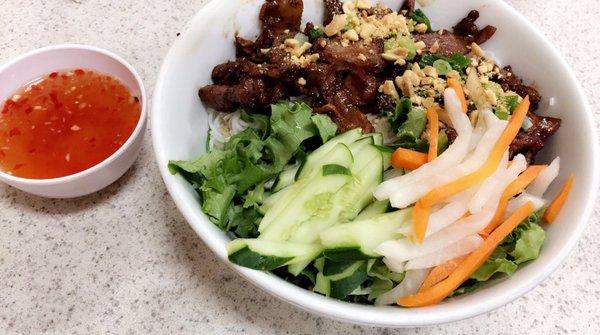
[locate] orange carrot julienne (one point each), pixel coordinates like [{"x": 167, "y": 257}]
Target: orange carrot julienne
[
  {"x": 437, "y": 195},
  {"x": 457, "y": 87},
  {"x": 420, "y": 218},
  {"x": 408, "y": 159},
  {"x": 466, "y": 268},
  {"x": 434, "y": 128},
  {"x": 441, "y": 272},
  {"x": 557, "y": 204},
  {"x": 511, "y": 190}
]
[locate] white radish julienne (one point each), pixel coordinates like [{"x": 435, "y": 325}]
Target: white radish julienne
[
  {"x": 411, "y": 283},
  {"x": 398, "y": 267},
  {"x": 409, "y": 193},
  {"x": 460, "y": 248},
  {"x": 539, "y": 186},
  {"x": 450, "y": 158},
  {"x": 521, "y": 200},
  {"x": 494, "y": 186},
  {"x": 440, "y": 219},
  {"x": 404, "y": 250}
]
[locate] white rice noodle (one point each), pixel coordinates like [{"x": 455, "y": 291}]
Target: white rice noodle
[
  {"x": 450, "y": 158},
  {"x": 541, "y": 183},
  {"x": 411, "y": 283},
  {"x": 223, "y": 125},
  {"x": 521, "y": 200},
  {"x": 493, "y": 187},
  {"x": 404, "y": 250},
  {"x": 457, "y": 249}
]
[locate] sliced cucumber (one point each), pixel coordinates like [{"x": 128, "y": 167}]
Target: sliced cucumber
[
  {"x": 378, "y": 138},
  {"x": 358, "y": 239},
  {"x": 341, "y": 284},
  {"x": 274, "y": 199},
  {"x": 268, "y": 255},
  {"x": 311, "y": 200},
  {"x": 286, "y": 178},
  {"x": 374, "y": 209},
  {"x": 323, "y": 155}
]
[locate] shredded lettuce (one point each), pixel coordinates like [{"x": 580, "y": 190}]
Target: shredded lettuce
[{"x": 227, "y": 179}]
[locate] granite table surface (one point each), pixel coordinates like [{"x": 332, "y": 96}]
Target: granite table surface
[{"x": 125, "y": 261}]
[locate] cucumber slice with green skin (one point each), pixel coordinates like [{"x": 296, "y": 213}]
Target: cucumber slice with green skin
[
  {"x": 362, "y": 236},
  {"x": 273, "y": 199},
  {"x": 378, "y": 138},
  {"x": 387, "y": 153},
  {"x": 275, "y": 207},
  {"x": 331, "y": 268},
  {"x": 349, "y": 200},
  {"x": 286, "y": 178},
  {"x": 374, "y": 209},
  {"x": 268, "y": 255},
  {"x": 313, "y": 199},
  {"x": 313, "y": 163},
  {"x": 276, "y": 203},
  {"x": 323, "y": 285},
  {"x": 340, "y": 154},
  {"x": 340, "y": 285}
]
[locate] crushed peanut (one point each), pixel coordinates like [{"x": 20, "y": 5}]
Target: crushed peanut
[{"x": 389, "y": 89}]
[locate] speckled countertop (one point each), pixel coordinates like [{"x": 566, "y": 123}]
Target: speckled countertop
[{"x": 125, "y": 261}]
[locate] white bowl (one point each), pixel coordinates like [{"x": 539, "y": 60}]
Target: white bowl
[
  {"x": 179, "y": 125},
  {"x": 22, "y": 70}
]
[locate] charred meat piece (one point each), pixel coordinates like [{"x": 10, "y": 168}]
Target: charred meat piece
[
  {"x": 277, "y": 16},
  {"x": 356, "y": 56},
  {"x": 232, "y": 73},
  {"x": 361, "y": 86},
  {"x": 510, "y": 82},
  {"x": 330, "y": 88},
  {"x": 247, "y": 49},
  {"x": 408, "y": 6},
  {"x": 251, "y": 93},
  {"x": 332, "y": 7},
  {"x": 469, "y": 30},
  {"x": 530, "y": 142},
  {"x": 449, "y": 43}
]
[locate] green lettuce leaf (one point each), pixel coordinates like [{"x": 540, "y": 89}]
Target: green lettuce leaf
[
  {"x": 496, "y": 264},
  {"x": 411, "y": 130},
  {"x": 230, "y": 181}
]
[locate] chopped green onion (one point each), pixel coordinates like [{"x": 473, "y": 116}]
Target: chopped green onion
[
  {"x": 330, "y": 169},
  {"x": 442, "y": 67},
  {"x": 316, "y": 33}
]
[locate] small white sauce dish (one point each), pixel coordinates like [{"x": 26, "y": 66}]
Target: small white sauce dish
[{"x": 37, "y": 63}]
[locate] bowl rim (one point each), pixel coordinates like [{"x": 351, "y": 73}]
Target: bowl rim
[
  {"x": 355, "y": 313},
  {"x": 107, "y": 161}
]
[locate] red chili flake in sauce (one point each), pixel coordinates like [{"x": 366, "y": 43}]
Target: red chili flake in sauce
[{"x": 55, "y": 128}]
